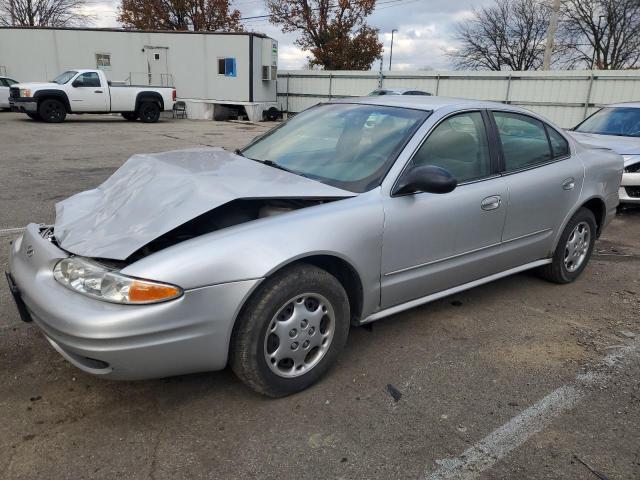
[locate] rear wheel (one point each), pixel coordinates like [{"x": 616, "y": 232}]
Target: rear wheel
[
  {"x": 130, "y": 116},
  {"x": 33, "y": 115},
  {"x": 52, "y": 111},
  {"x": 149, "y": 112},
  {"x": 291, "y": 331},
  {"x": 573, "y": 250}
]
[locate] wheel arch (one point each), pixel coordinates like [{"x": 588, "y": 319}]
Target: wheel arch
[
  {"x": 149, "y": 97},
  {"x": 596, "y": 205},
  {"x": 42, "y": 95}
]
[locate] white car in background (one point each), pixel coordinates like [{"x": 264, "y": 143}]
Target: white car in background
[
  {"x": 617, "y": 127},
  {"x": 5, "y": 83}
]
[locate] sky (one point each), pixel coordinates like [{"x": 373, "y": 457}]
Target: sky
[{"x": 425, "y": 30}]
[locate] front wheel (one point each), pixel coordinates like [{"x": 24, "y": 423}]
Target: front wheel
[
  {"x": 52, "y": 111},
  {"x": 291, "y": 331},
  {"x": 149, "y": 112},
  {"x": 573, "y": 250}
]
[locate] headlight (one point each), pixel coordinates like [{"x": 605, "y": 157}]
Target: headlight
[
  {"x": 631, "y": 163},
  {"x": 25, "y": 92},
  {"x": 94, "y": 280}
]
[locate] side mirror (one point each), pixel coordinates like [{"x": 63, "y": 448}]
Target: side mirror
[
  {"x": 76, "y": 83},
  {"x": 427, "y": 178}
]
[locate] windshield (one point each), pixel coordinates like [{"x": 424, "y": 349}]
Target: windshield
[
  {"x": 64, "y": 77},
  {"x": 621, "y": 121},
  {"x": 348, "y": 146}
]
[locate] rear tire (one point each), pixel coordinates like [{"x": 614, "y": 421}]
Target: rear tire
[
  {"x": 52, "y": 111},
  {"x": 130, "y": 116},
  {"x": 573, "y": 250},
  {"x": 149, "y": 112},
  {"x": 291, "y": 331},
  {"x": 34, "y": 116}
]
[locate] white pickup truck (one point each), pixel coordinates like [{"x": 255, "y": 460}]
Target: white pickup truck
[{"x": 89, "y": 91}]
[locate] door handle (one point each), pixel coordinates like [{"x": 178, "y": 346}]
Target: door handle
[
  {"x": 569, "y": 183},
  {"x": 97, "y": 91},
  {"x": 491, "y": 203}
]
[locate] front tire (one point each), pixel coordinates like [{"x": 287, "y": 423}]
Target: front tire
[
  {"x": 291, "y": 331},
  {"x": 149, "y": 112},
  {"x": 52, "y": 111},
  {"x": 573, "y": 250}
]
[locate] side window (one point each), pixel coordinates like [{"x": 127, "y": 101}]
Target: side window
[
  {"x": 524, "y": 140},
  {"x": 559, "y": 144},
  {"x": 458, "y": 144},
  {"x": 227, "y": 67},
  {"x": 90, "y": 79},
  {"x": 3, "y": 83}
]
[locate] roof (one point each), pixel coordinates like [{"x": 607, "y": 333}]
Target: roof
[
  {"x": 424, "y": 102},
  {"x": 625, "y": 104},
  {"x": 123, "y": 30}
]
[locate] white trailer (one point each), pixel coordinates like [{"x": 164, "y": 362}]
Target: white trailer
[{"x": 214, "y": 73}]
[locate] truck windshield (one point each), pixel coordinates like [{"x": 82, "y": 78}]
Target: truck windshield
[
  {"x": 349, "y": 146},
  {"x": 64, "y": 77},
  {"x": 620, "y": 121}
]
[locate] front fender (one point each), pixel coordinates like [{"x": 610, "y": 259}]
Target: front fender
[{"x": 350, "y": 229}]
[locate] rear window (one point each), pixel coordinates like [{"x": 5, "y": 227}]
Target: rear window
[{"x": 524, "y": 141}]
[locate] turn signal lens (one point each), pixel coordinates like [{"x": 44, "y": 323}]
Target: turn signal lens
[
  {"x": 97, "y": 281},
  {"x": 145, "y": 292}
]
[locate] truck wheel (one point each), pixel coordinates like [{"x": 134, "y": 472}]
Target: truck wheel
[
  {"x": 130, "y": 116},
  {"x": 52, "y": 111},
  {"x": 574, "y": 249},
  {"x": 291, "y": 331},
  {"x": 34, "y": 116},
  {"x": 149, "y": 112}
]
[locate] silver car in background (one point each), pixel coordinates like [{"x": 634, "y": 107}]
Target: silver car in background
[
  {"x": 617, "y": 127},
  {"x": 350, "y": 212}
]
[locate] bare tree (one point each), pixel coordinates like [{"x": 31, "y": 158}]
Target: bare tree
[
  {"x": 335, "y": 32},
  {"x": 509, "y": 35},
  {"x": 44, "y": 13},
  {"x": 601, "y": 34}
]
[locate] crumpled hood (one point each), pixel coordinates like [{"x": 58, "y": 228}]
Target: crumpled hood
[
  {"x": 152, "y": 194},
  {"x": 620, "y": 145}
]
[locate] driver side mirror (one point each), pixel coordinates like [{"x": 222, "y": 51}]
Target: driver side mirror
[
  {"x": 427, "y": 178},
  {"x": 77, "y": 83}
]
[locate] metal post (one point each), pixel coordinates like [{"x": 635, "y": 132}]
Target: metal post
[
  {"x": 330, "y": 84},
  {"x": 391, "y": 53},
  {"x": 551, "y": 35},
  {"x": 595, "y": 41},
  {"x": 586, "y": 104},
  {"x": 13, "y": 12},
  {"x": 380, "y": 74},
  {"x": 437, "y": 83},
  {"x": 506, "y": 99},
  {"x": 288, "y": 77}
]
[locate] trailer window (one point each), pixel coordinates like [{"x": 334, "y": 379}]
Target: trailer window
[
  {"x": 227, "y": 67},
  {"x": 103, "y": 61}
]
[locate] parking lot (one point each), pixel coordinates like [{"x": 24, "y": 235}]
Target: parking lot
[{"x": 519, "y": 378}]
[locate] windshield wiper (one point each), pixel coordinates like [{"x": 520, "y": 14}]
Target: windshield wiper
[
  {"x": 237, "y": 151},
  {"x": 269, "y": 163}
]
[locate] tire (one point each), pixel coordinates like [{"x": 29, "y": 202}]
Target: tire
[
  {"x": 130, "y": 116},
  {"x": 569, "y": 258},
  {"x": 52, "y": 111},
  {"x": 311, "y": 345},
  {"x": 34, "y": 116},
  {"x": 149, "y": 112}
]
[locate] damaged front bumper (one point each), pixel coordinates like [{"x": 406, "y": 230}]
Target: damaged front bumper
[
  {"x": 23, "y": 105},
  {"x": 185, "y": 335}
]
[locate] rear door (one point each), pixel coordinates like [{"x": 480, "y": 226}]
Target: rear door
[
  {"x": 437, "y": 241},
  {"x": 544, "y": 182},
  {"x": 88, "y": 94}
]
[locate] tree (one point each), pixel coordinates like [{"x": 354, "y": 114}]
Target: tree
[
  {"x": 195, "y": 15},
  {"x": 335, "y": 32},
  {"x": 509, "y": 35},
  {"x": 43, "y": 13},
  {"x": 601, "y": 34}
]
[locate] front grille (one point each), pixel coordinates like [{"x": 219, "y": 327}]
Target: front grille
[
  {"x": 14, "y": 92},
  {"x": 632, "y": 168},
  {"x": 633, "y": 191}
]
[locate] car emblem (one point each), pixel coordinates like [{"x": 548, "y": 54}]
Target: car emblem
[{"x": 29, "y": 251}]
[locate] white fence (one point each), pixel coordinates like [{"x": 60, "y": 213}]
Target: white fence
[{"x": 565, "y": 97}]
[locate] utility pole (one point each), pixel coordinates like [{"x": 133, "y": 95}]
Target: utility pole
[
  {"x": 391, "y": 53},
  {"x": 551, "y": 34}
]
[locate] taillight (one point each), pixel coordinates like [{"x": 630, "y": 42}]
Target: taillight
[{"x": 173, "y": 94}]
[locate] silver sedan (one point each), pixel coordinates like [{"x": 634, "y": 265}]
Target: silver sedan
[{"x": 263, "y": 259}]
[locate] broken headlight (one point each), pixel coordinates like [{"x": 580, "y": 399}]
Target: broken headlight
[{"x": 96, "y": 281}]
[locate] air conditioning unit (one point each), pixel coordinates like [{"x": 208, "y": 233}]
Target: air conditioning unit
[{"x": 269, "y": 73}]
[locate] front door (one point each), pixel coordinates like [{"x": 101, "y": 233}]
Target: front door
[
  {"x": 437, "y": 241},
  {"x": 87, "y": 94},
  {"x": 544, "y": 183}
]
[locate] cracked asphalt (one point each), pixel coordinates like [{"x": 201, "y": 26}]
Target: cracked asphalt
[{"x": 460, "y": 368}]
